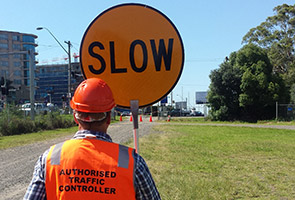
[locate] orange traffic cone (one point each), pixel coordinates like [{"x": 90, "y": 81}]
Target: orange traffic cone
[
  {"x": 131, "y": 118},
  {"x": 140, "y": 118},
  {"x": 121, "y": 118},
  {"x": 151, "y": 118}
]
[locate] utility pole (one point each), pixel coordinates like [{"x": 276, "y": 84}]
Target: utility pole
[
  {"x": 32, "y": 85},
  {"x": 69, "y": 64},
  {"x": 69, "y": 73},
  {"x": 277, "y": 110}
]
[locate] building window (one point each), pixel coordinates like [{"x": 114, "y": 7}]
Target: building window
[
  {"x": 19, "y": 56},
  {"x": 4, "y": 63},
  {"x": 15, "y": 38},
  {"x": 17, "y": 64},
  {"x": 29, "y": 47},
  {"x": 17, "y": 82},
  {"x": 26, "y": 65},
  {"x": 17, "y": 73},
  {"x": 26, "y": 73},
  {"x": 3, "y": 37},
  {"x": 4, "y": 73},
  {"x": 16, "y": 46},
  {"x": 4, "y": 56},
  {"x": 3, "y": 46},
  {"x": 27, "y": 38}
]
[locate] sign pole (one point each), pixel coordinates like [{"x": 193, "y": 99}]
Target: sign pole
[{"x": 134, "y": 109}]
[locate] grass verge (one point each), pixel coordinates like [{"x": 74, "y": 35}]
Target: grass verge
[
  {"x": 207, "y": 162},
  {"x": 204, "y": 120}
]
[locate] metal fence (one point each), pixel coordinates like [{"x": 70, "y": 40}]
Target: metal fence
[{"x": 285, "y": 112}]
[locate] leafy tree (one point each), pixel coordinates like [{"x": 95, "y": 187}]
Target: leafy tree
[
  {"x": 245, "y": 88},
  {"x": 277, "y": 35},
  {"x": 224, "y": 91}
]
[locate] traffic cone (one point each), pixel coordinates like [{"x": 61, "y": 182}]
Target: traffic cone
[
  {"x": 140, "y": 118},
  {"x": 151, "y": 119},
  {"x": 131, "y": 118},
  {"x": 121, "y": 118}
]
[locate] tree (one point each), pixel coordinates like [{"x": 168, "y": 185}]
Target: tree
[
  {"x": 245, "y": 87},
  {"x": 260, "y": 87},
  {"x": 224, "y": 91},
  {"x": 277, "y": 35}
]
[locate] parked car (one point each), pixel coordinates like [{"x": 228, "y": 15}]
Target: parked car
[
  {"x": 40, "y": 108},
  {"x": 126, "y": 113},
  {"x": 196, "y": 113},
  {"x": 178, "y": 112}
]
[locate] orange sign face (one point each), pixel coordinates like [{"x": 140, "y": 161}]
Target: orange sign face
[{"x": 137, "y": 50}]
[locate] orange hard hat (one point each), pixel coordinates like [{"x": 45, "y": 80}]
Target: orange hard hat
[{"x": 93, "y": 95}]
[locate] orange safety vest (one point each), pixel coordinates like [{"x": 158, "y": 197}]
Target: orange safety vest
[{"x": 90, "y": 169}]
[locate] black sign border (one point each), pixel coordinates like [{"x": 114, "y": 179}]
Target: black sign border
[{"x": 146, "y": 6}]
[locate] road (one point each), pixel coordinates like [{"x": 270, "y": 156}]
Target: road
[{"x": 17, "y": 164}]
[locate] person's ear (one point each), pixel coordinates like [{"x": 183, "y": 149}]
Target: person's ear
[
  {"x": 75, "y": 118},
  {"x": 108, "y": 119}
]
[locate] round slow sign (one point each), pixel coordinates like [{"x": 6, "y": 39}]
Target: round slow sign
[{"x": 137, "y": 50}]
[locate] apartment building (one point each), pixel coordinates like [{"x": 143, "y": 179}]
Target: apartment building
[
  {"x": 15, "y": 62},
  {"x": 52, "y": 82}
]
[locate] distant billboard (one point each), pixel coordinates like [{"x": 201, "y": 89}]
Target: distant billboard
[
  {"x": 164, "y": 101},
  {"x": 201, "y": 97},
  {"x": 181, "y": 105}
]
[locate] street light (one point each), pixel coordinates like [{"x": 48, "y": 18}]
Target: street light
[{"x": 69, "y": 57}]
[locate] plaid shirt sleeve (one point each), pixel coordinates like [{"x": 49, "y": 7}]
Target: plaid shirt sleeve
[
  {"x": 36, "y": 189},
  {"x": 144, "y": 183}
]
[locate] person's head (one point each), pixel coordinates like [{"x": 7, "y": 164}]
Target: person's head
[{"x": 92, "y": 103}]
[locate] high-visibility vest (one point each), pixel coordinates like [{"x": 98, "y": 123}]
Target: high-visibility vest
[{"x": 90, "y": 169}]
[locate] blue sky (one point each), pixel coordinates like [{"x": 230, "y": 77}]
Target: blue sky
[{"x": 210, "y": 29}]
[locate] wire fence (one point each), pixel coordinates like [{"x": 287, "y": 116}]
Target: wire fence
[{"x": 285, "y": 112}]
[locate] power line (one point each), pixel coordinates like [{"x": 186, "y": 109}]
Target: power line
[{"x": 205, "y": 60}]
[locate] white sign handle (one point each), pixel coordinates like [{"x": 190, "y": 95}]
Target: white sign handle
[{"x": 134, "y": 109}]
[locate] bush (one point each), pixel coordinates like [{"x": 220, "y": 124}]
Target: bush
[{"x": 13, "y": 122}]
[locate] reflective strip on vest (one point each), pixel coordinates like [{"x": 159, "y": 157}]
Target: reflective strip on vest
[
  {"x": 56, "y": 152},
  {"x": 90, "y": 169},
  {"x": 123, "y": 160}
]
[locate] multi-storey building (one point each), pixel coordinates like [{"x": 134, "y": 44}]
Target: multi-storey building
[
  {"x": 14, "y": 66},
  {"x": 52, "y": 84}
]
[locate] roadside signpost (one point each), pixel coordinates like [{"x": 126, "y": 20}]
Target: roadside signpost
[{"x": 138, "y": 51}]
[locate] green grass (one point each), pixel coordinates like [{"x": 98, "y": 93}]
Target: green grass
[
  {"x": 207, "y": 162},
  {"x": 204, "y": 120}
]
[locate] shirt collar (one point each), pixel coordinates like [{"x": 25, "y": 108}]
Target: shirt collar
[{"x": 81, "y": 134}]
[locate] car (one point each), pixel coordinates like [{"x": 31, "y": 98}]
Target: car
[
  {"x": 196, "y": 113},
  {"x": 178, "y": 112},
  {"x": 40, "y": 108},
  {"x": 175, "y": 112},
  {"x": 126, "y": 113}
]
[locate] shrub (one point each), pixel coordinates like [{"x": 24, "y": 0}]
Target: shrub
[{"x": 13, "y": 122}]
